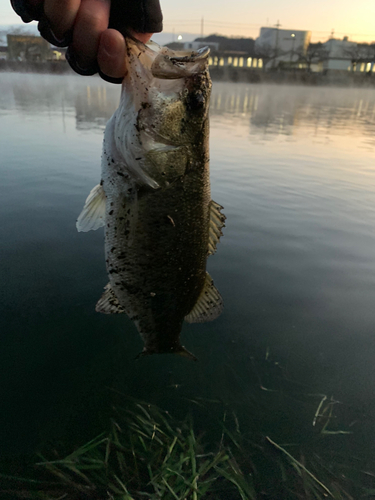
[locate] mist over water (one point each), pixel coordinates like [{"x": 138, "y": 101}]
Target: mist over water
[{"x": 294, "y": 168}]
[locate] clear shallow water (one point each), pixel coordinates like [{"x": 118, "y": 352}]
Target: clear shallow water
[{"x": 294, "y": 169}]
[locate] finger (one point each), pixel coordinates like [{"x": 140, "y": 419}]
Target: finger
[
  {"x": 61, "y": 15},
  {"x": 91, "y": 21},
  {"x": 111, "y": 56},
  {"x": 142, "y": 37}
]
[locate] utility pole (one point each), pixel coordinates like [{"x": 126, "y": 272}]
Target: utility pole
[{"x": 277, "y": 26}]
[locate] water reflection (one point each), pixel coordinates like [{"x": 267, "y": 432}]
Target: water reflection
[
  {"x": 265, "y": 109},
  {"x": 282, "y": 110},
  {"x": 90, "y": 100}
]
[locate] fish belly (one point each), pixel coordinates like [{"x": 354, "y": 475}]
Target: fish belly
[{"x": 156, "y": 251}]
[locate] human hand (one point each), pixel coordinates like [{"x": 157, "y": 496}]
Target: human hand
[{"x": 93, "y": 30}]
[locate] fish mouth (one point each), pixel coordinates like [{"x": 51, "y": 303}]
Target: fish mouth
[
  {"x": 165, "y": 63},
  {"x": 180, "y": 64},
  {"x": 191, "y": 56}
]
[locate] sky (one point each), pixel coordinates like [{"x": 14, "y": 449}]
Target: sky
[{"x": 354, "y": 19}]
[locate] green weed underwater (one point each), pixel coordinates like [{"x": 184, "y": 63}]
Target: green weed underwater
[{"x": 146, "y": 454}]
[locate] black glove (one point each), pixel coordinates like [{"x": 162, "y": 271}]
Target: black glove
[{"x": 142, "y": 16}]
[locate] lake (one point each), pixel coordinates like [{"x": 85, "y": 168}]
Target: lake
[{"x": 294, "y": 168}]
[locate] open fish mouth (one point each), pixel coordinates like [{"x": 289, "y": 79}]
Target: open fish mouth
[{"x": 180, "y": 64}]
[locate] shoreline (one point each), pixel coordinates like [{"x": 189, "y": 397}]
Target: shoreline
[{"x": 223, "y": 74}]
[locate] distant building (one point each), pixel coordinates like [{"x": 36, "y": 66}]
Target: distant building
[
  {"x": 343, "y": 55},
  {"x": 28, "y": 48},
  {"x": 3, "y": 53},
  {"x": 279, "y": 47},
  {"x": 338, "y": 54}
]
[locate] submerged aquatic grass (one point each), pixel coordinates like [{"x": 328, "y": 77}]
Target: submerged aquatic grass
[
  {"x": 148, "y": 454},
  {"x": 222, "y": 450}
]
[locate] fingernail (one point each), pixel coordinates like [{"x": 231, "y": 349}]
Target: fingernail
[
  {"x": 27, "y": 12},
  {"x": 46, "y": 32},
  {"x": 84, "y": 71},
  {"x": 110, "y": 79}
]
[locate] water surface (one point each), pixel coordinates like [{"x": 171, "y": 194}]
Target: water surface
[{"x": 294, "y": 168}]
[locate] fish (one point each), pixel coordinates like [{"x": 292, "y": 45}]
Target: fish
[{"x": 154, "y": 198}]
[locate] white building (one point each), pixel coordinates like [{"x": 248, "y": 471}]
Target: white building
[
  {"x": 343, "y": 55},
  {"x": 281, "y": 46},
  {"x": 338, "y": 56}
]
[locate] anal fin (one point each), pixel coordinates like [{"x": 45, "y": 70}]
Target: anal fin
[
  {"x": 108, "y": 302},
  {"x": 93, "y": 213},
  {"x": 209, "y": 305},
  {"x": 216, "y": 224}
]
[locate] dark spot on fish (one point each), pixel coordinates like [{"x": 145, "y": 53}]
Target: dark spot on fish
[
  {"x": 120, "y": 173},
  {"x": 121, "y": 218},
  {"x": 110, "y": 213},
  {"x": 111, "y": 271},
  {"x": 140, "y": 158},
  {"x": 112, "y": 160},
  {"x": 145, "y": 105},
  {"x": 111, "y": 203},
  {"x": 101, "y": 182},
  {"x": 126, "y": 232},
  {"x": 112, "y": 249},
  {"x": 128, "y": 212}
]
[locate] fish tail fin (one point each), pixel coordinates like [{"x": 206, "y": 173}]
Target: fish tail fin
[{"x": 181, "y": 351}]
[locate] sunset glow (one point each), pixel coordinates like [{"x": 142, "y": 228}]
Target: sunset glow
[{"x": 244, "y": 18}]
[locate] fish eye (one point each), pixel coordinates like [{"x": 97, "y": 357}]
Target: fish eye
[{"x": 196, "y": 100}]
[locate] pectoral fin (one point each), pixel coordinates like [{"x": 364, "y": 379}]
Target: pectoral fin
[
  {"x": 216, "y": 224},
  {"x": 208, "y": 306},
  {"x": 108, "y": 303},
  {"x": 93, "y": 213}
]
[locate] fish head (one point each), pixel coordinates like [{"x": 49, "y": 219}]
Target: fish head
[{"x": 170, "y": 93}]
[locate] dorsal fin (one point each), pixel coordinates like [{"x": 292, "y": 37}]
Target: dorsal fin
[
  {"x": 216, "y": 224},
  {"x": 209, "y": 304},
  {"x": 108, "y": 303},
  {"x": 93, "y": 213}
]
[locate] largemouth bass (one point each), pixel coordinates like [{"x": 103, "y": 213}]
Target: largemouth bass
[{"x": 154, "y": 198}]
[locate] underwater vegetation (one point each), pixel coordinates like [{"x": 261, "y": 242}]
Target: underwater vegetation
[{"x": 147, "y": 454}]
